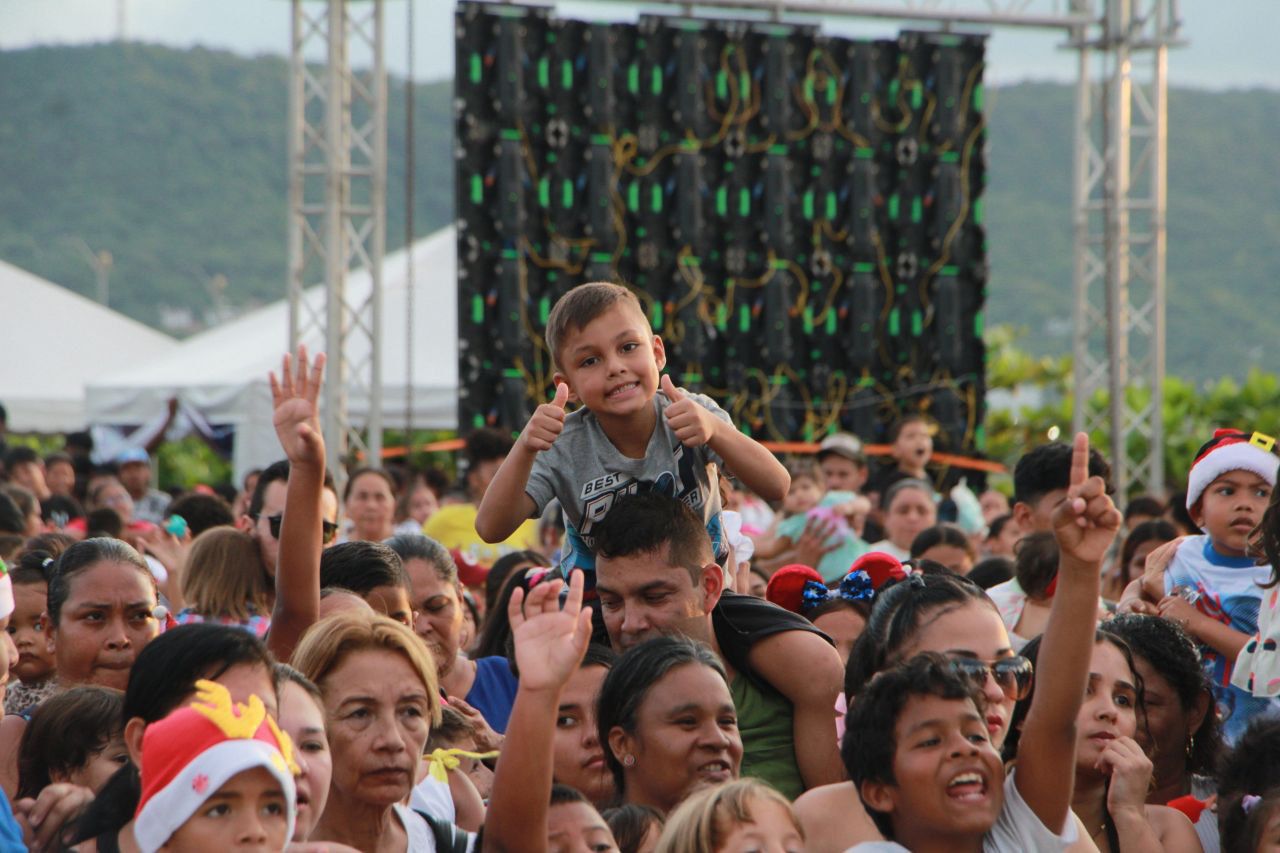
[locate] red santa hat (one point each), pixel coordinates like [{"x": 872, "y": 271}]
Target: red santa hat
[
  {"x": 1231, "y": 450},
  {"x": 6, "y": 592},
  {"x": 190, "y": 754}
]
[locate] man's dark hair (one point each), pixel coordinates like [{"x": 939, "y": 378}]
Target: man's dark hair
[
  {"x": 104, "y": 522},
  {"x": 869, "y": 743},
  {"x": 645, "y": 523},
  {"x": 991, "y": 571},
  {"x": 580, "y": 306},
  {"x": 1143, "y": 505},
  {"x": 202, "y": 512},
  {"x": 275, "y": 472},
  {"x": 11, "y": 518},
  {"x": 20, "y": 455},
  {"x": 1048, "y": 467},
  {"x": 486, "y": 444},
  {"x": 996, "y": 527},
  {"x": 362, "y": 567}
]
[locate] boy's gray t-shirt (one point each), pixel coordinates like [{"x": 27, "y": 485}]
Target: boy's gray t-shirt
[{"x": 588, "y": 474}]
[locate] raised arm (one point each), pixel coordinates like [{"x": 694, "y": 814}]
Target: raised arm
[
  {"x": 505, "y": 505},
  {"x": 549, "y": 644},
  {"x": 297, "y": 423},
  {"x": 1085, "y": 525},
  {"x": 757, "y": 468}
]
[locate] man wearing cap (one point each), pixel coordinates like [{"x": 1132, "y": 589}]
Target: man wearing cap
[
  {"x": 843, "y": 463},
  {"x": 134, "y": 470}
]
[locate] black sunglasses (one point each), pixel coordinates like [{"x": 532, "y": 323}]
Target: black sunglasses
[
  {"x": 330, "y": 529},
  {"x": 1013, "y": 675}
]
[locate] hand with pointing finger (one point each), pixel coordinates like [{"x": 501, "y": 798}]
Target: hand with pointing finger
[
  {"x": 547, "y": 422},
  {"x": 694, "y": 425},
  {"x": 1086, "y": 523}
]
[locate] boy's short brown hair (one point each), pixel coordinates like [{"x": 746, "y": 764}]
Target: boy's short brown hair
[{"x": 580, "y": 306}]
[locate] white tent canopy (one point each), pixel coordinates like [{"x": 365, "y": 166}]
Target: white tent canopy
[
  {"x": 222, "y": 373},
  {"x": 55, "y": 342}
]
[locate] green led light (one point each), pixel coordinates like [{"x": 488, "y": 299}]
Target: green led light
[
  {"x": 977, "y": 325},
  {"x": 949, "y": 270},
  {"x": 566, "y": 194},
  {"x": 744, "y": 85},
  {"x": 744, "y": 318},
  {"x": 633, "y": 79},
  {"x": 744, "y": 201},
  {"x": 778, "y": 149},
  {"x": 917, "y": 323},
  {"x": 477, "y": 67},
  {"x": 477, "y": 189},
  {"x": 477, "y": 309},
  {"x": 566, "y": 75},
  {"x": 977, "y": 97},
  {"x": 808, "y": 88},
  {"x": 512, "y": 373},
  {"x": 808, "y": 319},
  {"x": 655, "y": 316},
  {"x": 722, "y": 85},
  {"x": 917, "y": 96},
  {"x": 544, "y": 193},
  {"x": 980, "y": 438},
  {"x": 831, "y": 205},
  {"x": 722, "y": 316},
  {"x": 893, "y": 206},
  {"x": 641, "y": 231},
  {"x": 807, "y": 204},
  {"x": 893, "y": 91},
  {"x": 477, "y": 421},
  {"x": 831, "y": 322},
  {"x": 544, "y": 73},
  {"x": 655, "y": 82},
  {"x": 633, "y": 197},
  {"x": 949, "y": 157},
  {"x": 917, "y": 209},
  {"x": 895, "y": 324},
  {"x": 655, "y": 198},
  {"x": 863, "y": 153},
  {"x": 977, "y": 212},
  {"x": 722, "y": 201}
]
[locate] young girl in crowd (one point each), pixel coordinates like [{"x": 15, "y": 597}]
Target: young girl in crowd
[
  {"x": 302, "y": 719},
  {"x": 34, "y": 669},
  {"x": 947, "y": 545},
  {"x": 1112, "y": 772},
  {"x": 222, "y": 582},
  {"x": 737, "y": 816},
  {"x": 909, "y": 507},
  {"x": 75, "y": 737},
  {"x": 1144, "y": 538},
  {"x": 579, "y": 756},
  {"x": 1249, "y": 790}
]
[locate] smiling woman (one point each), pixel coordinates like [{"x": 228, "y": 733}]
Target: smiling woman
[{"x": 667, "y": 718}]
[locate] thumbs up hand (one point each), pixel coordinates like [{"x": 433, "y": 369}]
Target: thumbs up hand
[
  {"x": 547, "y": 422},
  {"x": 692, "y": 424}
]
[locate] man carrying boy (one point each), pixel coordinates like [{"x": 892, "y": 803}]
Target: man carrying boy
[
  {"x": 625, "y": 438},
  {"x": 656, "y": 576}
]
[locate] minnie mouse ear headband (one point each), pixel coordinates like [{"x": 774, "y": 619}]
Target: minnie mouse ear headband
[
  {"x": 1231, "y": 450},
  {"x": 193, "y": 752},
  {"x": 800, "y": 588},
  {"x": 786, "y": 586}
]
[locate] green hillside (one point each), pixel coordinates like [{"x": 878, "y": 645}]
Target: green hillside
[{"x": 175, "y": 162}]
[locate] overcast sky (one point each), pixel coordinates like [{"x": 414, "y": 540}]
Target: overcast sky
[{"x": 1231, "y": 43}]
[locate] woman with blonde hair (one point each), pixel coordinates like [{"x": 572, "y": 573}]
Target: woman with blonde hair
[
  {"x": 739, "y": 815},
  {"x": 222, "y": 582},
  {"x": 378, "y": 683}
]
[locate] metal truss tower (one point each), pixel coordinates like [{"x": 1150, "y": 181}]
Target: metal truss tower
[
  {"x": 1119, "y": 218},
  {"x": 337, "y": 208},
  {"x": 1119, "y": 194}
]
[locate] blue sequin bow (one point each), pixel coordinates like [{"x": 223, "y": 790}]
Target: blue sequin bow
[{"x": 855, "y": 586}]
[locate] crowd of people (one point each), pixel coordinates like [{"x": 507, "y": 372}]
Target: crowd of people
[{"x": 634, "y": 628}]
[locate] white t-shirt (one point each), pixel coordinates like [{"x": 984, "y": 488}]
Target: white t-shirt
[
  {"x": 420, "y": 838},
  {"x": 1017, "y": 830}
]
